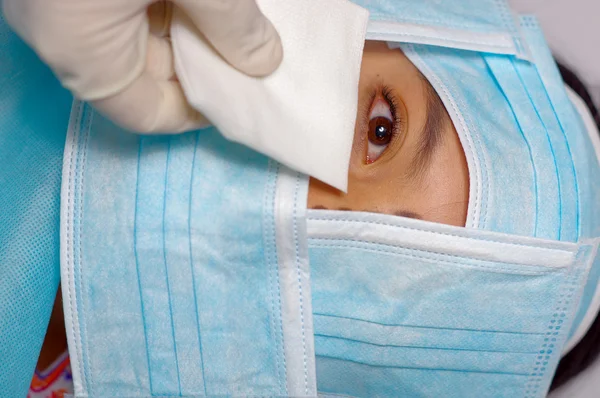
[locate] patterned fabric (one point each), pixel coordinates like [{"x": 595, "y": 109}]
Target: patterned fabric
[{"x": 54, "y": 382}]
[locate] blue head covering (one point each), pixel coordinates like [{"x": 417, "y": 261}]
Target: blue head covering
[{"x": 34, "y": 113}]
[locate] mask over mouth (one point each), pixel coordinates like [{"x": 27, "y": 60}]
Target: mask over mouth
[{"x": 191, "y": 266}]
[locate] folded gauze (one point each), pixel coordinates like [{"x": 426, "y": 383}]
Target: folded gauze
[{"x": 303, "y": 114}]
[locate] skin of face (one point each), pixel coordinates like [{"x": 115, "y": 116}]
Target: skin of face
[{"x": 437, "y": 191}]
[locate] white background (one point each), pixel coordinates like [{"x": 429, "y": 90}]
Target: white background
[{"x": 572, "y": 28}]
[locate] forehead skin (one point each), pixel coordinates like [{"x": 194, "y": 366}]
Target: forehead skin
[{"x": 441, "y": 191}]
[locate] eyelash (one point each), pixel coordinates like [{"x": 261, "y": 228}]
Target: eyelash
[
  {"x": 388, "y": 95},
  {"x": 390, "y": 98}
]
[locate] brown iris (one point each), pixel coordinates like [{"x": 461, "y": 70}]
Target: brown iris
[{"x": 380, "y": 130}]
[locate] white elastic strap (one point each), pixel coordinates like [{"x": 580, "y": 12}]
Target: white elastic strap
[
  {"x": 294, "y": 279},
  {"x": 67, "y": 248}
]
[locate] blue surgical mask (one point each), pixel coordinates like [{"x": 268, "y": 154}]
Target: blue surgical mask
[
  {"x": 206, "y": 289},
  {"x": 191, "y": 267},
  {"x": 408, "y": 308}
]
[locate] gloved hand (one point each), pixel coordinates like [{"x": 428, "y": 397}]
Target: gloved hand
[{"x": 117, "y": 53}]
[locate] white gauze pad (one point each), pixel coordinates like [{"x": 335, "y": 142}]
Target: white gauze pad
[{"x": 302, "y": 115}]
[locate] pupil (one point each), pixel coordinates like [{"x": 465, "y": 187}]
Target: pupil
[{"x": 380, "y": 130}]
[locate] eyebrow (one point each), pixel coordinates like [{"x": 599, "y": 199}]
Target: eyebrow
[
  {"x": 400, "y": 213},
  {"x": 408, "y": 214},
  {"x": 431, "y": 134}
]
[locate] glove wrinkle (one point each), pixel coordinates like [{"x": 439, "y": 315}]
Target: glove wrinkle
[{"x": 117, "y": 53}]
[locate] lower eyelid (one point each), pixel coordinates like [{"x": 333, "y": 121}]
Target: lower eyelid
[{"x": 374, "y": 152}]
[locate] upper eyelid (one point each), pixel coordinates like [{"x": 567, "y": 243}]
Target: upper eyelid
[
  {"x": 378, "y": 87},
  {"x": 390, "y": 96},
  {"x": 378, "y": 90},
  {"x": 376, "y": 110}
]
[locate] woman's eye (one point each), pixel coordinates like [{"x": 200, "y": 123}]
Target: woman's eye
[{"x": 381, "y": 129}]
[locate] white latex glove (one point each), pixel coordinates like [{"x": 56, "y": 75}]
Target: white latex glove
[{"x": 117, "y": 53}]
